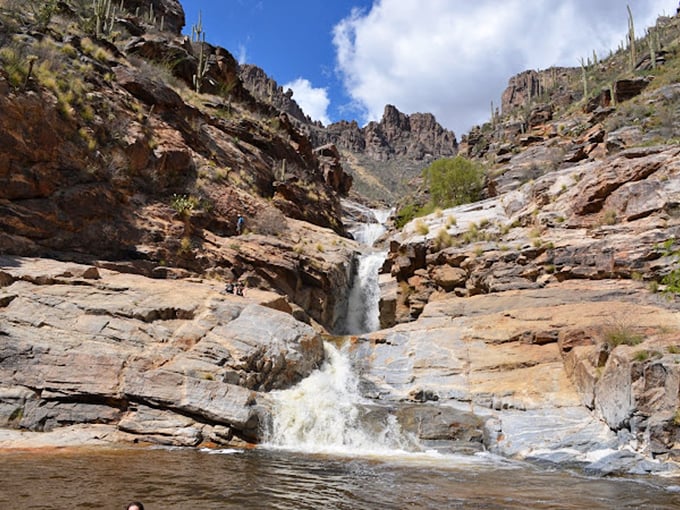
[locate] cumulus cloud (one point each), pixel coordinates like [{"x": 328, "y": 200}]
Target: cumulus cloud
[
  {"x": 453, "y": 57},
  {"x": 313, "y": 101}
]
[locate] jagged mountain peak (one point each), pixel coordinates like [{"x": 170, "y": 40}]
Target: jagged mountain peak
[{"x": 382, "y": 155}]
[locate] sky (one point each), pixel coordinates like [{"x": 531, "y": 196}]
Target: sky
[{"x": 347, "y": 59}]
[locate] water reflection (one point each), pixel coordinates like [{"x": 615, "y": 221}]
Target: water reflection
[{"x": 262, "y": 479}]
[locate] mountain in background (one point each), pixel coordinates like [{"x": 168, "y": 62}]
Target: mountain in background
[{"x": 383, "y": 156}]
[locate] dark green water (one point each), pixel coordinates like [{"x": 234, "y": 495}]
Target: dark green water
[{"x": 265, "y": 479}]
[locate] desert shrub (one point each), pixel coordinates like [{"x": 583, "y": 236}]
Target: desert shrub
[
  {"x": 442, "y": 240},
  {"x": 609, "y": 217},
  {"x": 185, "y": 245},
  {"x": 410, "y": 211},
  {"x": 672, "y": 282},
  {"x": 422, "y": 228},
  {"x": 642, "y": 355},
  {"x": 184, "y": 205},
  {"x": 620, "y": 332},
  {"x": 14, "y": 62},
  {"x": 672, "y": 279},
  {"x": 454, "y": 181},
  {"x": 472, "y": 235}
]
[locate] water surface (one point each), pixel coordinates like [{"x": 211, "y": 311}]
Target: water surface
[{"x": 271, "y": 479}]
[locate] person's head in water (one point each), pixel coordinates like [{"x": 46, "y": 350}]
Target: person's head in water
[{"x": 135, "y": 505}]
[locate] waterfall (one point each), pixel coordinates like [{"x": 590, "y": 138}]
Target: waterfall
[
  {"x": 363, "y": 303},
  {"x": 326, "y": 412},
  {"x": 323, "y": 414}
]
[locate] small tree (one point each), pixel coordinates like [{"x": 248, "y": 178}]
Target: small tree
[{"x": 454, "y": 181}]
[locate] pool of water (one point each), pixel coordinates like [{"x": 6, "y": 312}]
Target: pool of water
[{"x": 276, "y": 479}]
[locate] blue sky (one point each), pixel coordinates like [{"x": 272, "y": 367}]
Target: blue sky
[
  {"x": 290, "y": 40},
  {"x": 346, "y": 59}
]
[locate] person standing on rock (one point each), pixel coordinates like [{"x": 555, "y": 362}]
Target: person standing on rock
[
  {"x": 240, "y": 289},
  {"x": 239, "y": 224}
]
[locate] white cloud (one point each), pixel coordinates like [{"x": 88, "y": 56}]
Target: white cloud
[
  {"x": 453, "y": 57},
  {"x": 242, "y": 54},
  {"x": 313, "y": 101}
]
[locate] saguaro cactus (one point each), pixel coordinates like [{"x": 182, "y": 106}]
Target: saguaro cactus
[
  {"x": 197, "y": 32},
  {"x": 202, "y": 68},
  {"x": 198, "y": 35},
  {"x": 104, "y": 16},
  {"x": 631, "y": 38},
  {"x": 584, "y": 77}
]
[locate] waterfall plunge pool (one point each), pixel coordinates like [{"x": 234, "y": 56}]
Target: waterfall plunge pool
[{"x": 172, "y": 479}]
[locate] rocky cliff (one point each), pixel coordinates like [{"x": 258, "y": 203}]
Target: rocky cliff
[
  {"x": 108, "y": 153},
  {"x": 545, "y": 304}
]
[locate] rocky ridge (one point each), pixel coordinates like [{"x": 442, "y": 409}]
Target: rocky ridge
[
  {"x": 133, "y": 165},
  {"x": 382, "y": 156}
]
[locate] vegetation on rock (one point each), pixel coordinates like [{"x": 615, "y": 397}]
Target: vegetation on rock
[{"x": 449, "y": 182}]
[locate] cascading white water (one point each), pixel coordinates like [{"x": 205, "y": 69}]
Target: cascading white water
[
  {"x": 323, "y": 412},
  {"x": 363, "y": 302},
  {"x": 369, "y": 232},
  {"x": 322, "y": 415}
]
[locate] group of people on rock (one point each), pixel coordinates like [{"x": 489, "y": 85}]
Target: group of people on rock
[{"x": 237, "y": 288}]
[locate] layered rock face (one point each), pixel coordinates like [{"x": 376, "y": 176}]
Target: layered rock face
[
  {"x": 517, "y": 373},
  {"x": 542, "y": 321},
  {"x": 171, "y": 362}
]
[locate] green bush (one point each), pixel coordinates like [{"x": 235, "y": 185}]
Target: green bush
[
  {"x": 410, "y": 211},
  {"x": 672, "y": 279},
  {"x": 454, "y": 181},
  {"x": 450, "y": 182}
]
